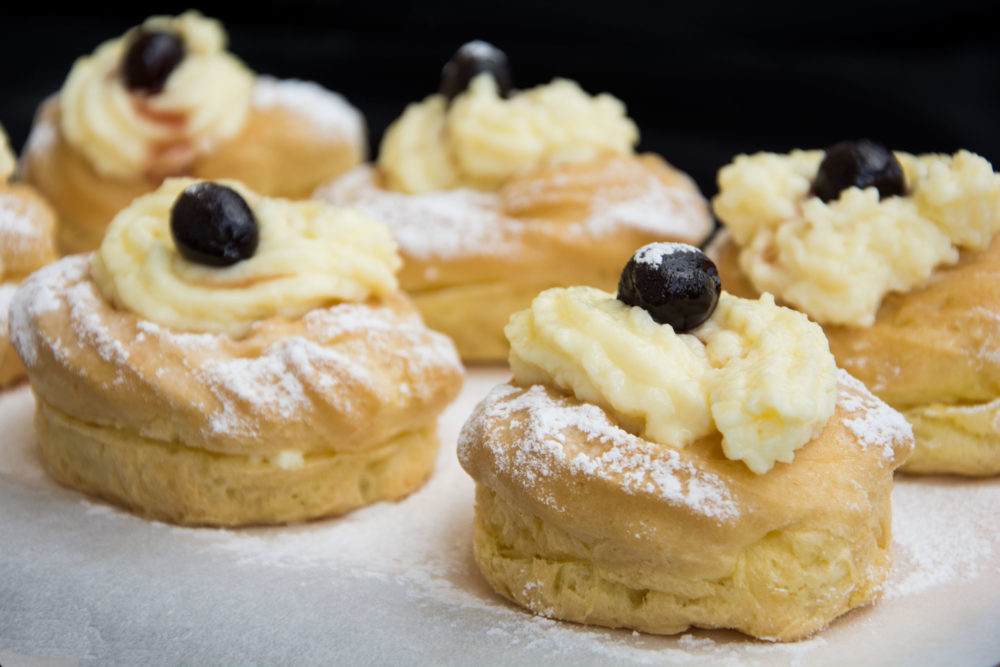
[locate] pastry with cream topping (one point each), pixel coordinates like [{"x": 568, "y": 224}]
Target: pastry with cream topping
[
  {"x": 27, "y": 242},
  {"x": 168, "y": 99},
  {"x": 897, "y": 256},
  {"x": 495, "y": 194},
  {"x": 226, "y": 358},
  {"x": 720, "y": 474}
]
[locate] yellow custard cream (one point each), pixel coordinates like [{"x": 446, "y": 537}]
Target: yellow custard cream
[
  {"x": 480, "y": 140},
  {"x": 837, "y": 260},
  {"x": 128, "y": 134},
  {"x": 759, "y": 374},
  {"x": 310, "y": 254},
  {"x": 7, "y": 162}
]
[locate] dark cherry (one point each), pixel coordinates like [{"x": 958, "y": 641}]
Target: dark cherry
[
  {"x": 674, "y": 282},
  {"x": 212, "y": 224},
  {"x": 150, "y": 59},
  {"x": 861, "y": 164},
  {"x": 472, "y": 59}
]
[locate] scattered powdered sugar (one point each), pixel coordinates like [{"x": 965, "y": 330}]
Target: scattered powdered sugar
[
  {"x": 650, "y": 206},
  {"x": 42, "y": 292},
  {"x": 878, "y": 425},
  {"x": 18, "y": 229},
  {"x": 653, "y": 253},
  {"x": 437, "y": 225},
  {"x": 944, "y": 530},
  {"x": 461, "y": 222},
  {"x": 417, "y": 552},
  {"x": 611, "y": 453},
  {"x": 276, "y": 382},
  {"x": 325, "y": 109}
]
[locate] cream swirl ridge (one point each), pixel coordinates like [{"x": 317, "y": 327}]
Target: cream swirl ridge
[
  {"x": 310, "y": 254},
  {"x": 129, "y": 134},
  {"x": 481, "y": 140},
  {"x": 759, "y": 374}
]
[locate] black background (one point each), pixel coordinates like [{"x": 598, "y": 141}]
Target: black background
[{"x": 702, "y": 80}]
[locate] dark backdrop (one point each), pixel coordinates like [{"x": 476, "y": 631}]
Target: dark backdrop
[{"x": 704, "y": 80}]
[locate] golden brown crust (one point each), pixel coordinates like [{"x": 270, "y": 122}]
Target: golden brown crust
[
  {"x": 300, "y": 418},
  {"x": 557, "y": 226},
  {"x": 933, "y": 345},
  {"x": 27, "y": 242},
  {"x": 577, "y": 519},
  {"x": 171, "y": 482},
  {"x": 336, "y": 379},
  {"x": 278, "y": 153}
]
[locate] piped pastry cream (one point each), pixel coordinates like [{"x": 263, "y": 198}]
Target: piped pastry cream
[
  {"x": 496, "y": 194},
  {"x": 27, "y": 242},
  {"x": 896, "y": 256},
  {"x": 760, "y": 375},
  {"x": 836, "y": 260},
  {"x": 309, "y": 255},
  {"x": 230, "y": 359},
  {"x": 203, "y": 102},
  {"x": 480, "y": 140},
  {"x": 681, "y": 458},
  {"x": 167, "y": 99}
]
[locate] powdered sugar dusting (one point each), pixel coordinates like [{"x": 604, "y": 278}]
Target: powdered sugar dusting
[
  {"x": 405, "y": 570},
  {"x": 650, "y": 206},
  {"x": 878, "y": 425},
  {"x": 326, "y": 110},
  {"x": 653, "y": 253},
  {"x": 40, "y": 293},
  {"x": 18, "y": 230},
  {"x": 610, "y": 453},
  {"x": 437, "y": 225},
  {"x": 461, "y": 223},
  {"x": 943, "y": 531}
]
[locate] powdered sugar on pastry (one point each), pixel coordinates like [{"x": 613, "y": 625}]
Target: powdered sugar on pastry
[
  {"x": 460, "y": 223},
  {"x": 878, "y": 426},
  {"x": 326, "y": 110},
  {"x": 609, "y": 452},
  {"x": 350, "y": 363}
]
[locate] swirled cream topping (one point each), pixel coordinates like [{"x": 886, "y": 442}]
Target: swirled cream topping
[
  {"x": 310, "y": 254},
  {"x": 759, "y": 374},
  {"x": 127, "y": 134},
  {"x": 836, "y": 261},
  {"x": 7, "y": 161},
  {"x": 480, "y": 140}
]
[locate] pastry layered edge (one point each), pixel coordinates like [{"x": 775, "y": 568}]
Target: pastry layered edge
[
  {"x": 189, "y": 486},
  {"x": 303, "y": 417},
  {"x": 578, "y": 520}
]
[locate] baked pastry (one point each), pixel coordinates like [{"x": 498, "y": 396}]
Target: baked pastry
[
  {"x": 897, "y": 257},
  {"x": 167, "y": 99},
  {"x": 226, "y": 358},
  {"x": 495, "y": 195},
  {"x": 634, "y": 476},
  {"x": 26, "y": 242}
]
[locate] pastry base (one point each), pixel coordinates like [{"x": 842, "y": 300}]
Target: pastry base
[
  {"x": 179, "y": 484},
  {"x": 955, "y": 439},
  {"x": 784, "y": 587},
  {"x": 474, "y": 316}
]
